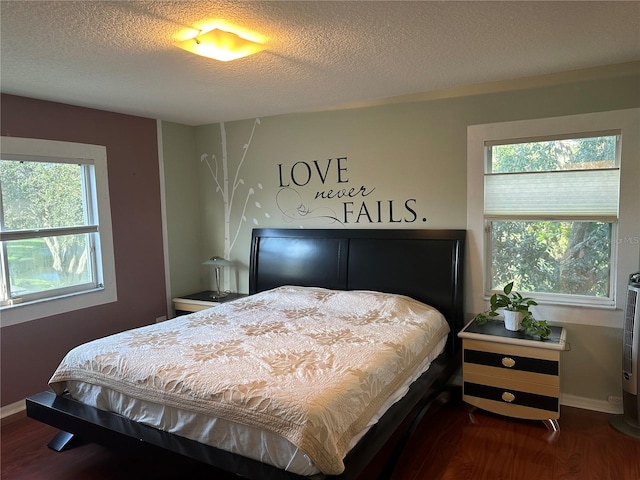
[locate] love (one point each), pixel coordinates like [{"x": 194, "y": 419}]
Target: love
[{"x": 301, "y": 172}]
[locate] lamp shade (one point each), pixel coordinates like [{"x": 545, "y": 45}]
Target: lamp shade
[{"x": 218, "y": 262}]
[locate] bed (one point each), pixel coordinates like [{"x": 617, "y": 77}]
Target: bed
[{"x": 417, "y": 273}]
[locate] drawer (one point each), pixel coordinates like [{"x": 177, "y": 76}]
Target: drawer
[
  {"x": 521, "y": 385},
  {"x": 510, "y": 374},
  {"x": 522, "y": 405},
  {"x": 190, "y": 306},
  {"x": 517, "y": 350},
  {"x": 511, "y": 397},
  {"x": 512, "y": 362}
]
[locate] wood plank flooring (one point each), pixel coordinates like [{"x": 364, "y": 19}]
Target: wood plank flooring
[
  {"x": 454, "y": 443},
  {"x": 483, "y": 446}
]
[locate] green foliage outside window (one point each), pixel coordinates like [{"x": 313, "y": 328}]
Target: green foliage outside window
[
  {"x": 40, "y": 195},
  {"x": 552, "y": 155},
  {"x": 552, "y": 257}
]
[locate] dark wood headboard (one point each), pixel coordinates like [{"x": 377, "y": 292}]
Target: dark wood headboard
[{"x": 426, "y": 265}]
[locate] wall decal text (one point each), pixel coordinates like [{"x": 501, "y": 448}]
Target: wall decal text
[{"x": 297, "y": 179}]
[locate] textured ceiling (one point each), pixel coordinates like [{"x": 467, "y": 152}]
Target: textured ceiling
[{"x": 119, "y": 55}]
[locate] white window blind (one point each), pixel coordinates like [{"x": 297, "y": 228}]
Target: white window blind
[{"x": 572, "y": 195}]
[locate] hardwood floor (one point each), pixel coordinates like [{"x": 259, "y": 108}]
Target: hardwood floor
[
  {"x": 454, "y": 443},
  {"x": 460, "y": 445}
]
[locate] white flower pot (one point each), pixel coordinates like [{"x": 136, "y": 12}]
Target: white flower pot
[{"x": 512, "y": 320}]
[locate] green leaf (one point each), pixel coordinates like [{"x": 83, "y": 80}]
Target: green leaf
[{"x": 508, "y": 287}]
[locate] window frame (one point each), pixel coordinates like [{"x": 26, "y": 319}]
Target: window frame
[
  {"x": 105, "y": 290},
  {"x": 610, "y": 218},
  {"x": 625, "y": 249}
]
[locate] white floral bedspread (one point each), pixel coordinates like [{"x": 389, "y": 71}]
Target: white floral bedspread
[{"x": 310, "y": 364}]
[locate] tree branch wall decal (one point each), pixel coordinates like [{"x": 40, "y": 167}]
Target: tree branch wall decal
[{"x": 229, "y": 191}]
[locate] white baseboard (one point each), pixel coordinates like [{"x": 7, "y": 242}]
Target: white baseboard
[
  {"x": 590, "y": 404},
  {"x": 12, "y": 409}
]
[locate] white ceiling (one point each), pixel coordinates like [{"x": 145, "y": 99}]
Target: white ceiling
[{"x": 119, "y": 55}]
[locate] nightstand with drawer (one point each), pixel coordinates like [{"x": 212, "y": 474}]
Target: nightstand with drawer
[
  {"x": 512, "y": 373},
  {"x": 201, "y": 301}
]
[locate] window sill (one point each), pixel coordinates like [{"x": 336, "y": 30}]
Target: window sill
[{"x": 25, "y": 312}]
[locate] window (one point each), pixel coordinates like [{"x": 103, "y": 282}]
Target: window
[
  {"x": 551, "y": 213},
  {"x": 552, "y": 204},
  {"x": 56, "y": 250}
]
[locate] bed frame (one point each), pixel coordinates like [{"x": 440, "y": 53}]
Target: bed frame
[{"x": 426, "y": 265}]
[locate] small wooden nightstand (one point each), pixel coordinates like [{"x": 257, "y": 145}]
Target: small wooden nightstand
[
  {"x": 201, "y": 301},
  {"x": 512, "y": 373}
]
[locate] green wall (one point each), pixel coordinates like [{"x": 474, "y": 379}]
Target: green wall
[
  {"x": 400, "y": 165},
  {"x": 183, "y": 209}
]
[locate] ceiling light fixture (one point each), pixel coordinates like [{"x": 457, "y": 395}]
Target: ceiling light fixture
[{"x": 221, "y": 45}]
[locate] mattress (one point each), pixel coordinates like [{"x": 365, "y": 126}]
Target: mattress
[{"x": 292, "y": 377}]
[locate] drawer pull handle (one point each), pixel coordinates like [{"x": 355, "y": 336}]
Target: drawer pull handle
[
  {"x": 508, "y": 362},
  {"x": 508, "y": 397}
]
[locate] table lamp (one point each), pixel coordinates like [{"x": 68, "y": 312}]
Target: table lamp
[{"x": 218, "y": 263}]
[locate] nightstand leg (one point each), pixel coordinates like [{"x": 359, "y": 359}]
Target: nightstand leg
[
  {"x": 471, "y": 412},
  {"x": 552, "y": 424}
]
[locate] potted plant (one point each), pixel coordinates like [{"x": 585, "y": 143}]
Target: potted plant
[{"x": 516, "y": 312}]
